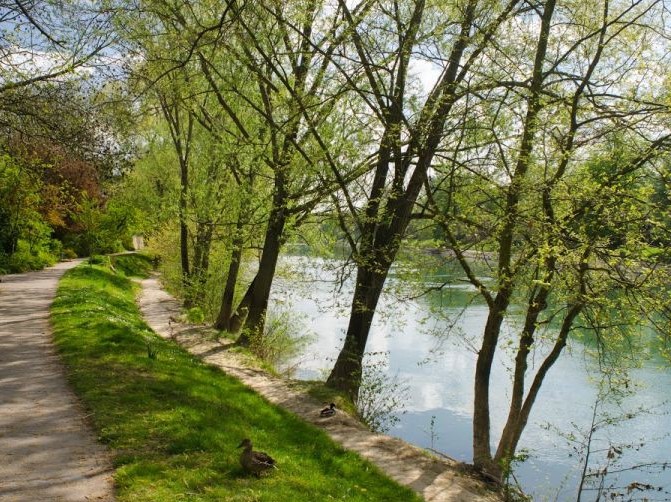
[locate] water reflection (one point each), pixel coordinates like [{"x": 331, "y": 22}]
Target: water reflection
[{"x": 429, "y": 342}]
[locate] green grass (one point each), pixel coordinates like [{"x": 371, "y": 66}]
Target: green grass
[
  {"x": 132, "y": 265},
  {"x": 173, "y": 423},
  {"x": 326, "y": 395}
]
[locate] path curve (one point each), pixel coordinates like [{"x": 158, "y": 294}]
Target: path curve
[
  {"x": 48, "y": 452},
  {"x": 436, "y": 479}
]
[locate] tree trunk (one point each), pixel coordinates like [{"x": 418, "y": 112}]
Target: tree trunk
[
  {"x": 200, "y": 265},
  {"x": 224, "y": 319},
  {"x": 482, "y": 456},
  {"x": 516, "y": 422},
  {"x": 183, "y": 228},
  {"x": 257, "y": 295},
  {"x": 181, "y": 138},
  {"x": 514, "y": 428},
  {"x": 346, "y": 373}
]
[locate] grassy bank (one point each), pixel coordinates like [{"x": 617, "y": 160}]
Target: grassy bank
[{"x": 173, "y": 423}]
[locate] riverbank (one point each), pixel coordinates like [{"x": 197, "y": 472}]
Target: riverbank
[
  {"x": 434, "y": 478},
  {"x": 172, "y": 423}
]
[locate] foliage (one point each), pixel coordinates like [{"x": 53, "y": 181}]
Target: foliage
[
  {"x": 99, "y": 229},
  {"x": 19, "y": 199},
  {"x": 561, "y": 197},
  {"x": 381, "y": 397},
  {"x": 195, "y": 315},
  {"x": 282, "y": 341},
  {"x": 133, "y": 264},
  {"x": 512, "y": 491},
  {"x": 172, "y": 423},
  {"x": 51, "y": 190},
  {"x": 25, "y": 242},
  {"x": 534, "y": 135},
  {"x": 24, "y": 259}
]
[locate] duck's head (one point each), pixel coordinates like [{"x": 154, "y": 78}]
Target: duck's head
[{"x": 247, "y": 443}]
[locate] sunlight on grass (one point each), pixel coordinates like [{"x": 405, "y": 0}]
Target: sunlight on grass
[{"x": 173, "y": 423}]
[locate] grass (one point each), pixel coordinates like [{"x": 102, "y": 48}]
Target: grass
[
  {"x": 173, "y": 423},
  {"x": 326, "y": 395}
]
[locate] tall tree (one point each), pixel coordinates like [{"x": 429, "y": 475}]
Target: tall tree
[
  {"x": 168, "y": 75},
  {"x": 287, "y": 52},
  {"x": 180, "y": 124},
  {"x": 553, "y": 176},
  {"x": 411, "y": 127}
]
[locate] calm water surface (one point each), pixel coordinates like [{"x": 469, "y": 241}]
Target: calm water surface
[{"x": 431, "y": 354}]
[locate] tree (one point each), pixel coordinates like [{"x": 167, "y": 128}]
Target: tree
[
  {"x": 410, "y": 128},
  {"x": 45, "y": 42},
  {"x": 287, "y": 52},
  {"x": 169, "y": 83},
  {"x": 559, "y": 202}
]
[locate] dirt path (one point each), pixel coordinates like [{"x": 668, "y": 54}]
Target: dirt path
[
  {"x": 435, "y": 479},
  {"x": 47, "y": 450}
]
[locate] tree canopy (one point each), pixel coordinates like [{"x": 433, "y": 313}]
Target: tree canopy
[{"x": 533, "y": 133}]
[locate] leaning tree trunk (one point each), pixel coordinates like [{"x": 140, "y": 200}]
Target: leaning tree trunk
[
  {"x": 258, "y": 294},
  {"x": 226, "y": 310},
  {"x": 346, "y": 373},
  {"x": 482, "y": 456},
  {"x": 515, "y": 424}
]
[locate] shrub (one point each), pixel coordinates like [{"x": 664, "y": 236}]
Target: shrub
[
  {"x": 282, "y": 341},
  {"x": 24, "y": 260},
  {"x": 381, "y": 396},
  {"x": 69, "y": 254},
  {"x": 195, "y": 315}
]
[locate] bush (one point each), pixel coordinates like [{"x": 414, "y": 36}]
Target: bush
[
  {"x": 381, "y": 396},
  {"x": 283, "y": 340},
  {"x": 195, "y": 315},
  {"x": 69, "y": 254},
  {"x": 24, "y": 260}
]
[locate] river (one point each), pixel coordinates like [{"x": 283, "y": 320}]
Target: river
[{"x": 430, "y": 352}]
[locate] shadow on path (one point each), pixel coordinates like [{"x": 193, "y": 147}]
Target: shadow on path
[{"x": 47, "y": 450}]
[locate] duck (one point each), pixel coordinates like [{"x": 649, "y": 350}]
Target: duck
[
  {"x": 328, "y": 412},
  {"x": 255, "y": 462}
]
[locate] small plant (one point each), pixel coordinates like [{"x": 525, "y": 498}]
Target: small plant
[
  {"x": 282, "y": 341},
  {"x": 152, "y": 349},
  {"x": 512, "y": 490},
  {"x": 195, "y": 315},
  {"x": 381, "y": 397},
  {"x": 433, "y": 435}
]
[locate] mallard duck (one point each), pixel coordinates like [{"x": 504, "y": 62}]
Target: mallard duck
[
  {"x": 328, "y": 412},
  {"x": 255, "y": 461}
]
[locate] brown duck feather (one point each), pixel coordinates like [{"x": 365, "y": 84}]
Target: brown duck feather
[{"x": 255, "y": 462}]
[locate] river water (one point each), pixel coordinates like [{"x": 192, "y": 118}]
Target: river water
[{"x": 427, "y": 346}]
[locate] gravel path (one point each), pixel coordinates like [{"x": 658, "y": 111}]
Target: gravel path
[
  {"x": 436, "y": 479},
  {"x": 47, "y": 450}
]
